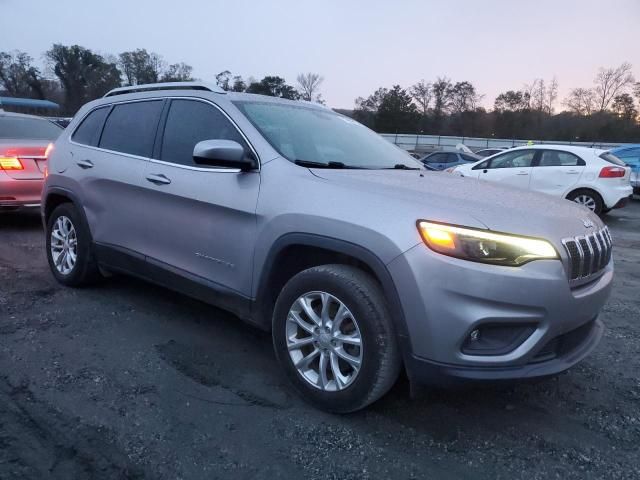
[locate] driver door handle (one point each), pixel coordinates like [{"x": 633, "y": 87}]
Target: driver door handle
[
  {"x": 85, "y": 164},
  {"x": 522, "y": 173},
  {"x": 158, "y": 179}
]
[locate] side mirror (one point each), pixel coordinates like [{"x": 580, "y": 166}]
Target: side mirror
[{"x": 222, "y": 153}]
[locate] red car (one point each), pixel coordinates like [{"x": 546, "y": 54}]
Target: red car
[{"x": 24, "y": 144}]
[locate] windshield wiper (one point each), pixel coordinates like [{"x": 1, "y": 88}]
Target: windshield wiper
[
  {"x": 402, "y": 166},
  {"x": 311, "y": 164}
]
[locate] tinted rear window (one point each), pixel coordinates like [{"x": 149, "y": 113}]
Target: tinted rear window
[
  {"x": 611, "y": 158},
  {"x": 131, "y": 128},
  {"x": 88, "y": 132},
  {"x": 28, "y": 128}
]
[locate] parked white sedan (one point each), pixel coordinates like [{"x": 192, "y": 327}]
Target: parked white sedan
[{"x": 594, "y": 178}]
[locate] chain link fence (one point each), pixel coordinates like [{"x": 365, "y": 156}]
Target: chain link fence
[{"x": 429, "y": 143}]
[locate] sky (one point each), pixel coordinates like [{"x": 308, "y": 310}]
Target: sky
[{"x": 356, "y": 45}]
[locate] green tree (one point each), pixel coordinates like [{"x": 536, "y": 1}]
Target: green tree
[
  {"x": 177, "y": 72},
  {"x": 624, "y": 107},
  {"x": 397, "y": 112},
  {"x": 275, "y": 87},
  {"x": 367, "y": 108},
  {"x": 83, "y": 74},
  {"x": 140, "y": 67},
  {"x": 510, "y": 101},
  {"x": 239, "y": 84}
]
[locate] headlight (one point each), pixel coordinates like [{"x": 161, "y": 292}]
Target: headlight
[{"x": 483, "y": 245}]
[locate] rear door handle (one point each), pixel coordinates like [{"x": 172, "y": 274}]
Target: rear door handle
[
  {"x": 522, "y": 173},
  {"x": 85, "y": 164},
  {"x": 572, "y": 172},
  {"x": 158, "y": 179}
]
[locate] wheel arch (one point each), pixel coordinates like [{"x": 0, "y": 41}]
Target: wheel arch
[
  {"x": 56, "y": 196},
  {"x": 575, "y": 188},
  {"x": 295, "y": 252}
]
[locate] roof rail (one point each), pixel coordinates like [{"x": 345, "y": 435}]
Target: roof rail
[{"x": 150, "y": 87}]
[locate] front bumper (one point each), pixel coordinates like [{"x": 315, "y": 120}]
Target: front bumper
[
  {"x": 444, "y": 299},
  {"x": 426, "y": 371}
]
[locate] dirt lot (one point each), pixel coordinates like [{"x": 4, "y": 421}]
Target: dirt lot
[{"x": 127, "y": 380}]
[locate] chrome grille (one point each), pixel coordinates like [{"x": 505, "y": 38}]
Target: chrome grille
[{"x": 588, "y": 254}]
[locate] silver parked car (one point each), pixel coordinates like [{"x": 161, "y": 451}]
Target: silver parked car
[
  {"x": 24, "y": 141},
  {"x": 306, "y": 223}
]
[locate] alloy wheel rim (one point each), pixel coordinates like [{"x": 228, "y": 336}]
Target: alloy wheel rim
[
  {"x": 324, "y": 341},
  {"x": 64, "y": 245},
  {"x": 587, "y": 201}
]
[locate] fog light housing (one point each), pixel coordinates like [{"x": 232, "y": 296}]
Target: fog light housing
[{"x": 496, "y": 339}]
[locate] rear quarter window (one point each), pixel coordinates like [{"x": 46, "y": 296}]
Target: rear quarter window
[
  {"x": 611, "y": 158},
  {"x": 88, "y": 133},
  {"x": 131, "y": 128}
]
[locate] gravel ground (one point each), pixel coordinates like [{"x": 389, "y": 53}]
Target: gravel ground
[{"x": 128, "y": 380}]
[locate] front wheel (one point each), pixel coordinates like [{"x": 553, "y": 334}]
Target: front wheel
[
  {"x": 588, "y": 198},
  {"x": 334, "y": 337}
]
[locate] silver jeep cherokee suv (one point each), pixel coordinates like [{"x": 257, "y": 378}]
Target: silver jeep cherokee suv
[{"x": 306, "y": 223}]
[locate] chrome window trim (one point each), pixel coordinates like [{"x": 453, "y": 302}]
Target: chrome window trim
[{"x": 163, "y": 162}]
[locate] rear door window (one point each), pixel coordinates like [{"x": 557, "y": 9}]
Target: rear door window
[
  {"x": 131, "y": 128},
  {"x": 554, "y": 158},
  {"x": 192, "y": 121},
  {"x": 88, "y": 133},
  {"x": 519, "y": 159}
]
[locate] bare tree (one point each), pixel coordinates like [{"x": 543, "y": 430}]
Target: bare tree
[
  {"x": 538, "y": 93},
  {"x": 441, "y": 90},
  {"x": 309, "y": 86},
  {"x": 636, "y": 90},
  {"x": 582, "y": 101},
  {"x": 463, "y": 97},
  {"x": 223, "y": 80},
  {"x": 552, "y": 95},
  {"x": 422, "y": 95},
  {"x": 19, "y": 77},
  {"x": 610, "y": 82}
]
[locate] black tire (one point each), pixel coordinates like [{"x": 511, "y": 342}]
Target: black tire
[
  {"x": 595, "y": 196},
  {"x": 362, "y": 295},
  {"x": 85, "y": 270}
]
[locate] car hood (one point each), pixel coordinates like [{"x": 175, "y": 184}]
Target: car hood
[{"x": 453, "y": 199}]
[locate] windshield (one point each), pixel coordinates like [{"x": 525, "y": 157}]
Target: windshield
[
  {"x": 318, "y": 138},
  {"x": 28, "y": 128}
]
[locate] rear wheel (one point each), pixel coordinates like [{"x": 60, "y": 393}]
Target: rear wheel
[
  {"x": 334, "y": 337},
  {"x": 588, "y": 198},
  {"x": 69, "y": 248}
]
